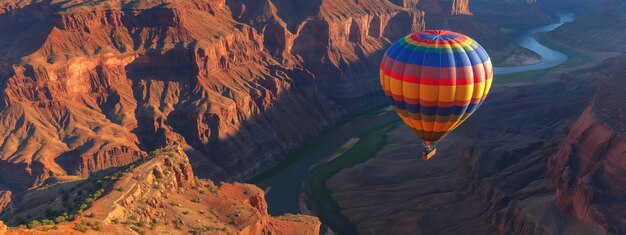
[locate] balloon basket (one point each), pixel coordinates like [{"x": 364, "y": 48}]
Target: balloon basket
[{"x": 427, "y": 154}]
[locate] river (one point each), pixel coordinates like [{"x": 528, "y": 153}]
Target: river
[
  {"x": 283, "y": 196},
  {"x": 549, "y": 57}
]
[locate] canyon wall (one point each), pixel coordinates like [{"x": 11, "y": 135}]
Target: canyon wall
[
  {"x": 92, "y": 85},
  {"x": 588, "y": 171},
  {"x": 504, "y": 171},
  {"x": 512, "y": 13},
  {"x": 160, "y": 195},
  {"x": 599, "y": 27}
]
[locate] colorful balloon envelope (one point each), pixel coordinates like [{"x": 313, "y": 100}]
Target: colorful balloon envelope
[{"x": 435, "y": 80}]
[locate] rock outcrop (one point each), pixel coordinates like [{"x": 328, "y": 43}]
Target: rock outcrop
[
  {"x": 89, "y": 85},
  {"x": 588, "y": 170},
  {"x": 512, "y": 13},
  {"x": 498, "y": 173},
  {"x": 162, "y": 195},
  {"x": 599, "y": 27}
]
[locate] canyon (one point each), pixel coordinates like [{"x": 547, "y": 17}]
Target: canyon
[
  {"x": 226, "y": 89},
  {"x": 490, "y": 177},
  {"x": 554, "y": 168},
  {"x": 158, "y": 195},
  {"x": 89, "y": 85},
  {"x": 588, "y": 169},
  {"x": 596, "y": 33}
]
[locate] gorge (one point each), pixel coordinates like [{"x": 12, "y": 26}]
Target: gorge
[{"x": 236, "y": 88}]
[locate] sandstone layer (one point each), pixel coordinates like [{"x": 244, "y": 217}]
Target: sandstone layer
[
  {"x": 163, "y": 196},
  {"x": 89, "y": 85},
  {"x": 588, "y": 171}
]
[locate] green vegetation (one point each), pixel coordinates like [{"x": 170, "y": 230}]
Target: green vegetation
[
  {"x": 327, "y": 209},
  {"x": 270, "y": 176},
  {"x": 138, "y": 230},
  {"x": 82, "y": 197},
  {"x": 574, "y": 57},
  {"x": 340, "y": 150},
  {"x": 178, "y": 223},
  {"x": 500, "y": 61},
  {"x": 82, "y": 227},
  {"x": 206, "y": 230},
  {"x": 526, "y": 76}
]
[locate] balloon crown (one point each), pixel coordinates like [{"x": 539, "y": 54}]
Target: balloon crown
[{"x": 436, "y": 35}]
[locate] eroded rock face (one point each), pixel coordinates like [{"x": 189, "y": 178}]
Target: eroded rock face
[
  {"x": 498, "y": 173},
  {"x": 164, "y": 193},
  {"x": 99, "y": 84},
  {"x": 588, "y": 171},
  {"x": 450, "y": 7},
  {"x": 598, "y": 27},
  {"x": 512, "y": 13}
]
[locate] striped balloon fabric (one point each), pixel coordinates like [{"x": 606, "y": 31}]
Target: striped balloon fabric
[{"x": 435, "y": 79}]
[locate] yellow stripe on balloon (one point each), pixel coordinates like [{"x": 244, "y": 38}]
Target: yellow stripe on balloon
[
  {"x": 434, "y": 93},
  {"x": 463, "y": 44}
]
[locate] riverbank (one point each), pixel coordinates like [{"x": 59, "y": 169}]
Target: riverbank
[
  {"x": 315, "y": 186},
  {"x": 292, "y": 177},
  {"x": 519, "y": 56},
  {"x": 269, "y": 177},
  {"x": 317, "y": 191},
  {"x": 283, "y": 183},
  {"x": 575, "y": 58}
]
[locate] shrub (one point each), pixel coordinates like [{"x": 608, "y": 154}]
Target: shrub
[
  {"x": 81, "y": 227},
  {"x": 34, "y": 223},
  {"x": 60, "y": 219},
  {"x": 47, "y": 222},
  {"x": 96, "y": 226},
  {"x": 178, "y": 223},
  {"x": 141, "y": 232},
  {"x": 140, "y": 224}
]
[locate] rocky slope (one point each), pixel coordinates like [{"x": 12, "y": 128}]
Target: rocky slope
[
  {"x": 498, "y": 173},
  {"x": 162, "y": 195},
  {"x": 599, "y": 28},
  {"x": 588, "y": 171},
  {"x": 89, "y": 85},
  {"x": 513, "y": 12}
]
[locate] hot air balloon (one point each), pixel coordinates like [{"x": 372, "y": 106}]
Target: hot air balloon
[{"x": 435, "y": 79}]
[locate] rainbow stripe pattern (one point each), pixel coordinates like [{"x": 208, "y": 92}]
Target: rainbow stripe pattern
[{"x": 435, "y": 79}]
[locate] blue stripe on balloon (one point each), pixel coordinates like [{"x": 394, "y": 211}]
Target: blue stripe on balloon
[
  {"x": 434, "y": 58},
  {"x": 434, "y": 110}
]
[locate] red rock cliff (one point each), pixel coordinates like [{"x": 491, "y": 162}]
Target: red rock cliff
[
  {"x": 588, "y": 170},
  {"x": 99, "y": 83},
  {"x": 162, "y": 195}
]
